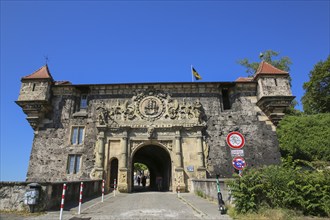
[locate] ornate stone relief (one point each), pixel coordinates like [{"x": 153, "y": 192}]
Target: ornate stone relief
[
  {"x": 135, "y": 143},
  {"x": 151, "y": 105}
]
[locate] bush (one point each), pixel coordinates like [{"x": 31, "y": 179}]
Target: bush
[
  {"x": 305, "y": 137},
  {"x": 282, "y": 187}
]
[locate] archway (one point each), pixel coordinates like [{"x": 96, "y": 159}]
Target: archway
[
  {"x": 113, "y": 172},
  {"x": 158, "y": 161}
]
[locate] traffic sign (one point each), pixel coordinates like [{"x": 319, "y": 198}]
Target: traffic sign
[
  {"x": 239, "y": 163},
  {"x": 235, "y": 140}
]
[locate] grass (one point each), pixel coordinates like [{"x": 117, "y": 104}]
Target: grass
[
  {"x": 22, "y": 213},
  {"x": 271, "y": 214}
]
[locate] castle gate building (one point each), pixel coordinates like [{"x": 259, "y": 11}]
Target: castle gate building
[{"x": 178, "y": 130}]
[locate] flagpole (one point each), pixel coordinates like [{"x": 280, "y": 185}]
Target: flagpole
[{"x": 192, "y": 75}]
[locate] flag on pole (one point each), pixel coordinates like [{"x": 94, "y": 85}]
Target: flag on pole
[{"x": 195, "y": 73}]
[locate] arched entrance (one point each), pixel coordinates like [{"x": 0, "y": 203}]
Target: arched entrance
[
  {"x": 158, "y": 161},
  {"x": 113, "y": 172}
]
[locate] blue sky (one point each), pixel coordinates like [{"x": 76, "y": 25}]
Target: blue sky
[{"x": 146, "y": 41}]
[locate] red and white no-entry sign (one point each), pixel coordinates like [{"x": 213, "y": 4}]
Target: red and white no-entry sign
[{"x": 235, "y": 140}]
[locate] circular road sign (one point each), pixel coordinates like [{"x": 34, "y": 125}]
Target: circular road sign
[
  {"x": 235, "y": 140},
  {"x": 239, "y": 163}
]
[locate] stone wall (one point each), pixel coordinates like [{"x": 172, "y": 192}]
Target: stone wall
[
  {"x": 12, "y": 194},
  {"x": 51, "y": 146},
  {"x": 208, "y": 187}
]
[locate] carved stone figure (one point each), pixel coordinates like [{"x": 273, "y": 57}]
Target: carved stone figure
[{"x": 150, "y": 131}]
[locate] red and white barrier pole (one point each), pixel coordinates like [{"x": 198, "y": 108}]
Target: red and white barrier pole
[
  {"x": 80, "y": 196},
  {"x": 178, "y": 189},
  {"x": 62, "y": 201},
  {"x": 103, "y": 182},
  {"x": 114, "y": 187}
]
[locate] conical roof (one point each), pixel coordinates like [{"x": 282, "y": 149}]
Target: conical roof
[
  {"x": 42, "y": 73},
  {"x": 266, "y": 68}
]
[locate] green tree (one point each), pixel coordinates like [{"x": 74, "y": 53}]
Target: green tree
[
  {"x": 305, "y": 137},
  {"x": 317, "y": 95},
  {"x": 283, "y": 63},
  {"x": 140, "y": 167}
]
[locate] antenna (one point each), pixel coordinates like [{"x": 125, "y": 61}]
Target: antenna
[{"x": 46, "y": 59}]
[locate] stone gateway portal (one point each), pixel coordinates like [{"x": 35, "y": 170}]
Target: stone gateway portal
[{"x": 178, "y": 130}]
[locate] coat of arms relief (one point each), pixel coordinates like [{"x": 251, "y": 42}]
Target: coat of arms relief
[{"x": 150, "y": 105}]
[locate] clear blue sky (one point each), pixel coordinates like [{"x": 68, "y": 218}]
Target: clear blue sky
[{"x": 146, "y": 41}]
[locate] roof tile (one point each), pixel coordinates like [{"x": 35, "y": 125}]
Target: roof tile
[{"x": 42, "y": 73}]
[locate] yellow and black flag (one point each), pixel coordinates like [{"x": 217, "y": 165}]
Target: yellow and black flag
[{"x": 195, "y": 73}]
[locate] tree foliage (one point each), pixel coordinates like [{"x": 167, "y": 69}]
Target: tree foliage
[
  {"x": 317, "y": 95},
  {"x": 282, "y": 187},
  {"x": 305, "y": 137},
  {"x": 140, "y": 167},
  {"x": 283, "y": 63}
]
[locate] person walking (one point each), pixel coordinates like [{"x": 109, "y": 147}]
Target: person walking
[
  {"x": 138, "y": 180},
  {"x": 144, "y": 180}
]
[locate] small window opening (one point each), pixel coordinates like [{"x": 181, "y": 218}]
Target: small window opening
[
  {"x": 275, "y": 80},
  {"x": 73, "y": 164},
  {"x": 225, "y": 99},
  {"x": 83, "y": 102},
  {"x": 77, "y": 135},
  {"x": 33, "y": 87}
]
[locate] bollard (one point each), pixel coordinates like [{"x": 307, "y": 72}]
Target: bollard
[
  {"x": 62, "y": 200},
  {"x": 114, "y": 187},
  {"x": 103, "y": 181},
  {"x": 80, "y": 196},
  {"x": 178, "y": 190}
]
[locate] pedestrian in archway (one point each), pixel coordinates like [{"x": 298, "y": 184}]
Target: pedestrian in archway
[
  {"x": 144, "y": 180},
  {"x": 159, "y": 181},
  {"x": 138, "y": 180}
]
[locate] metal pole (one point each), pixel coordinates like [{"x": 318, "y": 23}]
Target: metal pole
[
  {"x": 103, "y": 181},
  {"x": 62, "y": 200},
  {"x": 80, "y": 197}
]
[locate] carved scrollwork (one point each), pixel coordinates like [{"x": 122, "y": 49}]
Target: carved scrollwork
[
  {"x": 150, "y": 105},
  {"x": 167, "y": 144}
]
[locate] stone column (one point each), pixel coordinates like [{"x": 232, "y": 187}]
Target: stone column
[
  {"x": 123, "y": 147},
  {"x": 100, "y": 150},
  {"x": 179, "y": 181},
  {"x": 178, "y": 153},
  {"x": 98, "y": 170},
  {"x": 200, "y": 150},
  {"x": 201, "y": 170},
  {"x": 123, "y": 170}
]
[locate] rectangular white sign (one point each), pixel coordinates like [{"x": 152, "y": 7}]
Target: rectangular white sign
[{"x": 237, "y": 153}]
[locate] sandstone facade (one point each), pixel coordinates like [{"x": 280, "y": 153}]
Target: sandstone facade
[{"x": 178, "y": 130}]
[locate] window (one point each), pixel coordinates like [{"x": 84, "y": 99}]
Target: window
[
  {"x": 275, "y": 82},
  {"x": 73, "y": 163},
  {"x": 77, "y": 135},
  {"x": 83, "y": 102},
  {"x": 33, "y": 86},
  {"x": 225, "y": 99}
]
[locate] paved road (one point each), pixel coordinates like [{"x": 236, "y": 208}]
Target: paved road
[{"x": 143, "y": 205}]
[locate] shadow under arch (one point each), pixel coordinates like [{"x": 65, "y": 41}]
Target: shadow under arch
[
  {"x": 113, "y": 168},
  {"x": 158, "y": 160}
]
